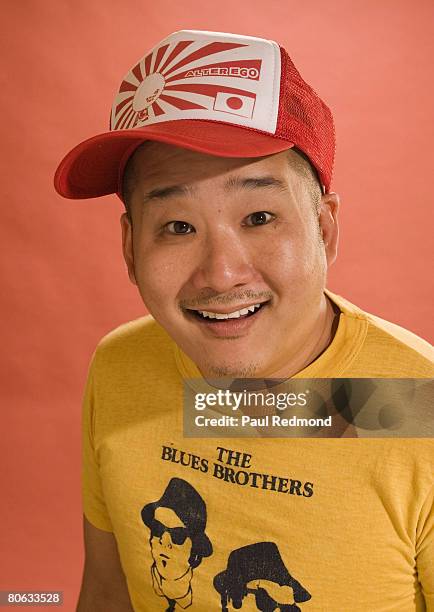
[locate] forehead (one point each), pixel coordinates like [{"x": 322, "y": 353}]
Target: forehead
[{"x": 155, "y": 163}]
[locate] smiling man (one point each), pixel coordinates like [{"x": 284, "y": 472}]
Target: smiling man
[{"x": 223, "y": 157}]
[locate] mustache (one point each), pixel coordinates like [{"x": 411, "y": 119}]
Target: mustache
[{"x": 214, "y": 299}]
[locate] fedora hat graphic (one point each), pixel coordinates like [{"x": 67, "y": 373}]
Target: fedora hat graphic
[{"x": 257, "y": 561}]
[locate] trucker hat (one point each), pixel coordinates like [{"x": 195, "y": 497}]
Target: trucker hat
[{"x": 216, "y": 93}]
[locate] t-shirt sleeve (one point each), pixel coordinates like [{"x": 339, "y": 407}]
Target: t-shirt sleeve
[
  {"x": 94, "y": 506},
  {"x": 425, "y": 551}
]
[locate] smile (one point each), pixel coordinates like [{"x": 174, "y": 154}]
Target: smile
[
  {"x": 236, "y": 314},
  {"x": 228, "y": 325},
  {"x": 241, "y": 313}
]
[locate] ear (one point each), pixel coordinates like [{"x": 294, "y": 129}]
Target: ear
[
  {"x": 329, "y": 226},
  {"x": 127, "y": 246}
]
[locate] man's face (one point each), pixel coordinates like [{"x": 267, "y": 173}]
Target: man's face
[
  {"x": 170, "y": 545},
  {"x": 215, "y": 239}
]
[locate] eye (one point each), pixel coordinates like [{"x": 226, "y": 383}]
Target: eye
[
  {"x": 261, "y": 217},
  {"x": 179, "y": 227}
]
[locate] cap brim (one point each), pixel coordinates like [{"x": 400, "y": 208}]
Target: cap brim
[{"x": 94, "y": 167}]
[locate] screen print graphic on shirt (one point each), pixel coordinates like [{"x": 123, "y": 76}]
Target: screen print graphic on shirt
[
  {"x": 256, "y": 572},
  {"x": 178, "y": 541},
  {"x": 235, "y": 467},
  {"x": 177, "y": 521}
]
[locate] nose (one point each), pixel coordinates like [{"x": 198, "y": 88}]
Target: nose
[
  {"x": 166, "y": 540},
  {"x": 224, "y": 263}
]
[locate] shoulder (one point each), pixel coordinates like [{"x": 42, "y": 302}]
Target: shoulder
[
  {"x": 131, "y": 333},
  {"x": 404, "y": 353},
  {"x": 389, "y": 349},
  {"x": 133, "y": 345},
  {"x": 400, "y": 337}
]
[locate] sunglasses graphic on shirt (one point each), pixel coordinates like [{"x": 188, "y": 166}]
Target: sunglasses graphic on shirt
[{"x": 178, "y": 535}]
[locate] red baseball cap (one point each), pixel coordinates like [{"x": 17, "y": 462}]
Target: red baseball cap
[{"x": 222, "y": 94}]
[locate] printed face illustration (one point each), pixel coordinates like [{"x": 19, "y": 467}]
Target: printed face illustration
[
  {"x": 170, "y": 544},
  {"x": 228, "y": 256},
  {"x": 177, "y": 540}
]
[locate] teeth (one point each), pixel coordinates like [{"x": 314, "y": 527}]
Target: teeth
[{"x": 230, "y": 315}]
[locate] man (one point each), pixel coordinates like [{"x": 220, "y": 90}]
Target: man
[
  {"x": 223, "y": 156},
  {"x": 178, "y": 541}
]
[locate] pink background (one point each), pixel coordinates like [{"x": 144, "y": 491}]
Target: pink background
[{"x": 63, "y": 279}]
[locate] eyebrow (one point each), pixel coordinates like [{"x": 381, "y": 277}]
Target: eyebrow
[
  {"x": 232, "y": 184},
  {"x": 164, "y": 193}
]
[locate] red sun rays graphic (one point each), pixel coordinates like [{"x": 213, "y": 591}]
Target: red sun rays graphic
[{"x": 146, "y": 93}]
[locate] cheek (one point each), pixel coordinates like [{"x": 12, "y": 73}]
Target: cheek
[
  {"x": 160, "y": 274},
  {"x": 291, "y": 253}
]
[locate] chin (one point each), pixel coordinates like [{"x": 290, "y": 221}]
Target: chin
[{"x": 222, "y": 369}]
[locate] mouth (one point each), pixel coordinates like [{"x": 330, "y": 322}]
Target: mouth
[
  {"x": 216, "y": 317},
  {"x": 232, "y": 322},
  {"x": 164, "y": 559}
]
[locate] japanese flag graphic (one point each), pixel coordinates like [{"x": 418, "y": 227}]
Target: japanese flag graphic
[{"x": 235, "y": 104}]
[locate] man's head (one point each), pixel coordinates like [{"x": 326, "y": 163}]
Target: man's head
[
  {"x": 177, "y": 524},
  {"x": 256, "y": 579},
  {"x": 210, "y": 237},
  {"x": 226, "y": 219}
]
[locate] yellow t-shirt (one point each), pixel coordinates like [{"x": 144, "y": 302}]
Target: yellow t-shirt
[{"x": 334, "y": 525}]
